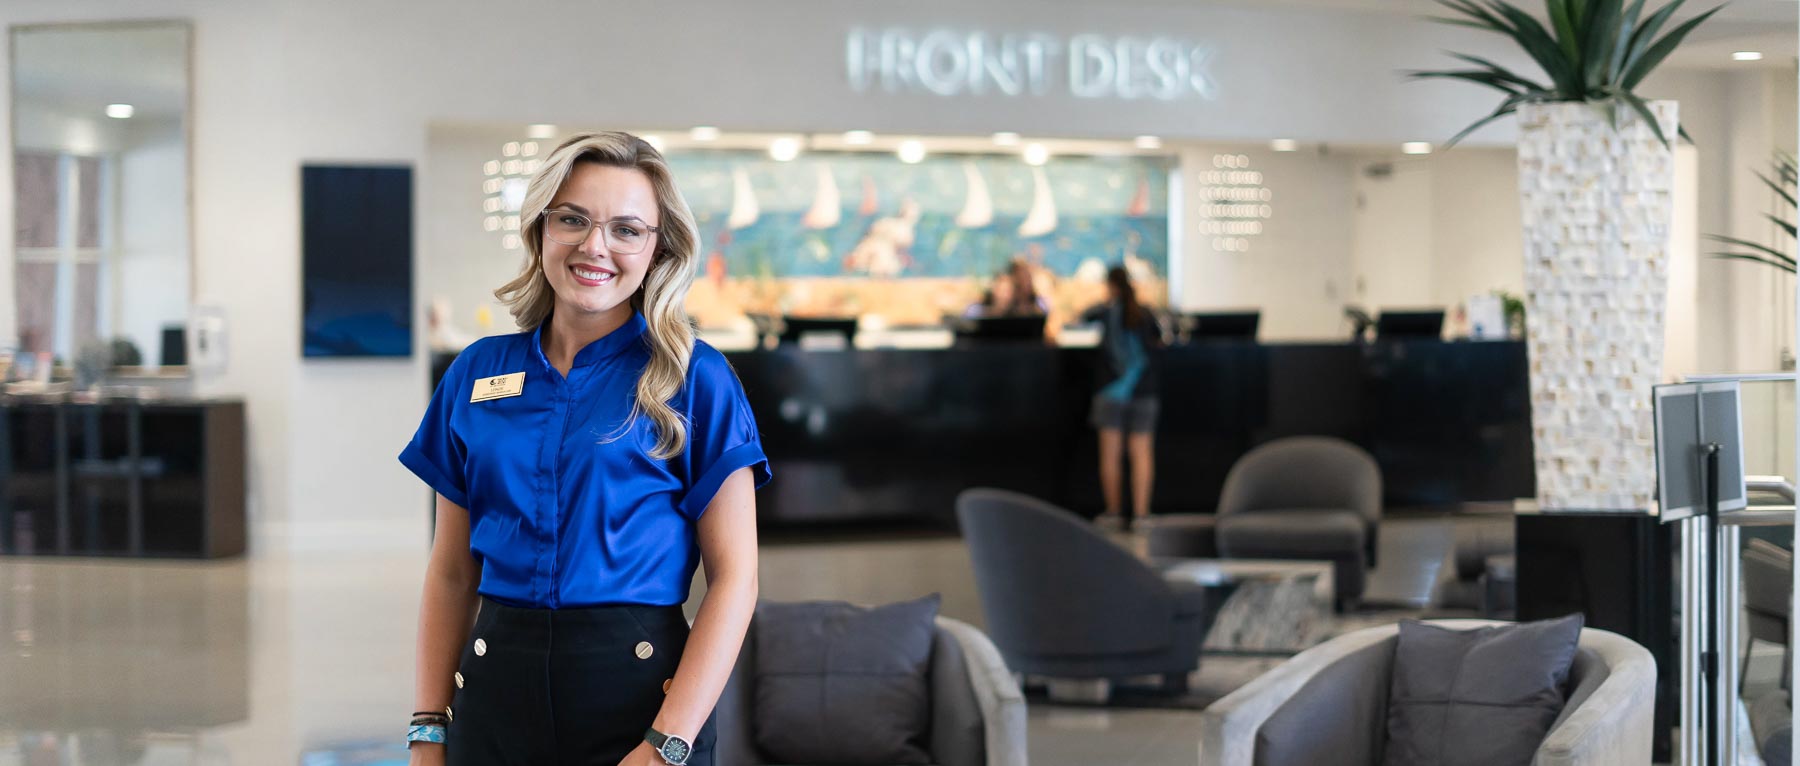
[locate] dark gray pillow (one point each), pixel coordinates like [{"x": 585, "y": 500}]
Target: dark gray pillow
[
  {"x": 1482, "y": 697},
  {"x": 840, "y": 684}
]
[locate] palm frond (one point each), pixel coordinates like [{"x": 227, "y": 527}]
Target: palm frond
[
  {"x": 1589, "y": 50},
  {"x": 1762, "y": 250},
  {"x": 1787, "y": 267}
]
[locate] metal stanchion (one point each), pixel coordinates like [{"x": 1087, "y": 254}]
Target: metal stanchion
[{"x": 1692, "y": 699}]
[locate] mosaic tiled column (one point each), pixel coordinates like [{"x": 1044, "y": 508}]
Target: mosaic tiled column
[{"x": 1597, "y": 213}]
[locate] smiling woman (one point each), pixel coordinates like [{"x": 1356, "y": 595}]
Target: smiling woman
[{"x": 581, "y": 553}]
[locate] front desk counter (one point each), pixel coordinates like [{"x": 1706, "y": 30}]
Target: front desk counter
[{"x": 892, "y": 435}]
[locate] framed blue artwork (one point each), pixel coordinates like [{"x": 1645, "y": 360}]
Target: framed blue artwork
[{"x": 356, "y": 261}]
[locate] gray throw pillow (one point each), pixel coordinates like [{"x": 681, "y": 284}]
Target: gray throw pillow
[
  {"x": 1482, "y": 697},
  {"x": 840, "y": 684}
]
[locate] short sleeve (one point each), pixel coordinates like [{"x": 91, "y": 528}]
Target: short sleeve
[
  {"x": 722, "y": 435},
  {"x": 436, "y": 453}
]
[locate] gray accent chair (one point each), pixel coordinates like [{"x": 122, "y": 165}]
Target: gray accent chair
[
  {"x": 1061, "y": 600},
  {"x": 977, "y": 709},
  {"x": 1304, "y": 497},
  {"x": 1329, "y": 705},
  {"x": 1768, "y": 574}
]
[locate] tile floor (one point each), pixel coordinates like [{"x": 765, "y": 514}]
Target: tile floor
[{"x": 257, "y": 661}]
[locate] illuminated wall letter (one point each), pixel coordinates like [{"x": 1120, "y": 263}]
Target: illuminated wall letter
[
  {"x": 1090, "y": 67},
  {"x": 943, "y": 63}
]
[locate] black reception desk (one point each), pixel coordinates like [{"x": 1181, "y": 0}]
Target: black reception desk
[{"x": 895, "y": 434}]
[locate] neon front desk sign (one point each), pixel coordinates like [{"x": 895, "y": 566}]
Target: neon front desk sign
[{"x": 952, "y": 63}]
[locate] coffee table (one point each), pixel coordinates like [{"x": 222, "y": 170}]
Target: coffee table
[{"x": 1270, "y": 606}]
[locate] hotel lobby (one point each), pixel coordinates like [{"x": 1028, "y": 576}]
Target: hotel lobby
[{"x": 1109, "y": 383}]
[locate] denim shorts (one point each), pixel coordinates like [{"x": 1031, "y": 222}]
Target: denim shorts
[{"x": 1136, "y": 415}]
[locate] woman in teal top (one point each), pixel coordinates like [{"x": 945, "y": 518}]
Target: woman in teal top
[{"x": 584, "y": 468}]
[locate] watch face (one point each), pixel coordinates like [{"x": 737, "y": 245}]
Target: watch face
[{"x": 675, "y": 750}]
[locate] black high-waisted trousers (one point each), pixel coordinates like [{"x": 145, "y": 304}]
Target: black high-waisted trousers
[{"x": 565, "y": 687}]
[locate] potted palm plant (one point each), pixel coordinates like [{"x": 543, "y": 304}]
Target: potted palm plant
[{"x": 1595, "y": 170}]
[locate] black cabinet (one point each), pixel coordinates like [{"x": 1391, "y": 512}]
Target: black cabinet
[{"x": 156, "y": 478}]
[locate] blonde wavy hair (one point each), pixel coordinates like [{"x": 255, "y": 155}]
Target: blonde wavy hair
[{"x": 662, "y": 297}]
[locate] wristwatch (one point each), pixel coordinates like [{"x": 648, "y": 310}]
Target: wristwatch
[{"x": 674, "y": 750}]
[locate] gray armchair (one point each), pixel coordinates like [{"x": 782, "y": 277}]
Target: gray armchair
[
  {"x": 1061, "y": 600},
  {"x": 1768, "y": 574},
  {"x": 1329, "y": 705},
  {"x": 977, "y": 710},
  {"x": 1304, "y": 497}
]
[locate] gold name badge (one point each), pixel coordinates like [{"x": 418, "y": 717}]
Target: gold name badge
[{"x": 498, "y": 387}]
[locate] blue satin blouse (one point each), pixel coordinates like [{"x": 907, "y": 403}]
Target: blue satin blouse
[{"x": 566, "y": 506}]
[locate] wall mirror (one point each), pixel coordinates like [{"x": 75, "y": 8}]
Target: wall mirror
[{"x": 102, "y": 199}]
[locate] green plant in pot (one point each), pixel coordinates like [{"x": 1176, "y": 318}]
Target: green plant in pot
[
  {"x": 1596, "y": 181},
  {"x": 1594, "y": 51}
]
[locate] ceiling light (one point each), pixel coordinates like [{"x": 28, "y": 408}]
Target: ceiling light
[
  {"x": 541, "y": 130},
  {"x": 1747, "y": 56},
  {"x": 784, "y": 149},
  {"x": 1148, "y": 142},
  {"x": 704, "y": 133},
  {"x": 1416, "y": 147},
  {"x": 1284, "y": 145},
  {"x": 120, "y": 111},
  {"x": 911, "y": 152},
  {"x": 858, "y": 137},
  {"x": 1036, "y": 154},
  {"x": 1006, "y": 138}
]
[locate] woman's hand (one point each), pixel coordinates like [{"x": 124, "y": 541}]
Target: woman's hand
[
  {"x": 427, "y": 754},
  {"x": 644, "y": 755}
]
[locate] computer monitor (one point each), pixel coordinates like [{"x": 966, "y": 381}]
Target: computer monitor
[
  {"x": 793, "y": 327},
  {"x": 1400, "y": 325},
  {"x": 174, "y": 345},
  {"x": 1025, "y": 327},
  {"x": 1223, "y": 326}
]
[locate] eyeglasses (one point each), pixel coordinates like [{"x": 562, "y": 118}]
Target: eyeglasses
[{"x": 625, "y": 236}]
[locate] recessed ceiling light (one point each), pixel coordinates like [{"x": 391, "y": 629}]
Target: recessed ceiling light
[
  {"x": 1006, "y": 138},
  {"x": 1747, "y": 56},
  {"x": 1284, "y": 145},
  {"x": 1148, "y": 142},
  {"x": 784, "y": 149},
  {"x": 858, "y": 137},
  {"x": 1416, "y": 147},
  {"x": 1036, "y": 154},
  {"x": 541, "y": 130},
  {"x": 704, "y": 133},
  {"x": 911, "y": 152},
  {"x": 120, "y": 111}
]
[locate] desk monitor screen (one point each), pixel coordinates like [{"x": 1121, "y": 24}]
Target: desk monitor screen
[
  {"x": 1688, "y": 417},
  {"x": 1025, "y": 327},
  {"x": 1392, "y": 325},
  {"x": 795, "y": 327},
  {"x": 1236, "y": 325},
  {"x": 174, "y": 346}
]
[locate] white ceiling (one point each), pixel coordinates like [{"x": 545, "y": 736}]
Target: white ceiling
[
  {"x": 1769, "y": 26},
  {"x": 78, "y": 69}
]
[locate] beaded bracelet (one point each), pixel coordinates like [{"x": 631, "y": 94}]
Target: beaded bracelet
[{"x": 431, "y": 733}]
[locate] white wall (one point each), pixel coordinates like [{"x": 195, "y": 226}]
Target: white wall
[
  {"x": 284, "y": 82},
  {"x": 1391, "y": 239},
  {"x": 1298, "y": 271}
]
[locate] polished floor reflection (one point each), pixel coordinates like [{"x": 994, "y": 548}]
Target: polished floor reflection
[{"x": 258, "y": 661}]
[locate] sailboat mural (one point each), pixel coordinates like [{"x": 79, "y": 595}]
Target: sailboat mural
[
  {"x": 827, "y": 207},
  {"x": 1042, "y": 218},
  {"x": 978, "y": 205},
  {"x": 744, "y": 210}
]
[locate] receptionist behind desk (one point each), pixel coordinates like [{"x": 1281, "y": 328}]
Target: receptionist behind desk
[{"x": 584, "y": 467}]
